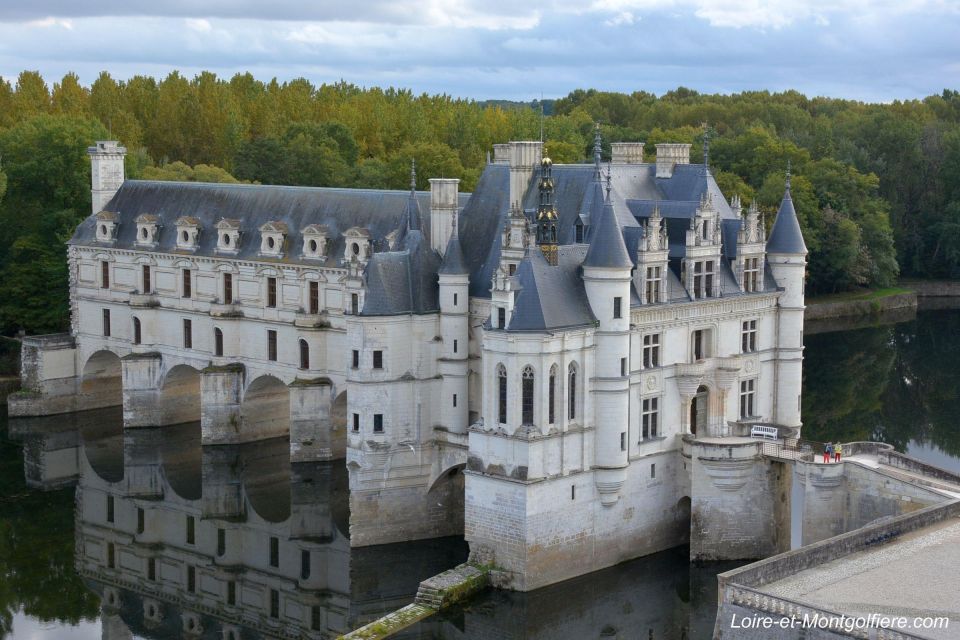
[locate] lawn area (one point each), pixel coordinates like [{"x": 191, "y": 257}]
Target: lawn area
[{"x": 859, "y": 294}]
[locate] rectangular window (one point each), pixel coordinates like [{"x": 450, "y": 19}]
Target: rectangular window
[
  {"x": 217, "y": 342},
  {"x": 231, "y": 593},
  {"x": 304, "y": 354},
  {"x": 304, "y": 564},
  {"x": 748, "y": 336},
  {"x": 573, "y": 492},
  {"x": 699, "y": 350},
  {"x": 191, "y": 530},
  {"x": 501, "y": 318},
  {"x": 356, "y": 422},
  {"x": 191, "y": 579},
  {"x": 623, "y": 366},
  {"x": 109, "y": 508},
  {"x": 552, "y": 398},
  {"x": 455, "y": 298},
  {"x": 187, "y": 334},
  {"x": 141, "y": 520},
  {"x": 221, "y": 541},
  {"x": 511, "y": 269},
  {"x": 111, "y": 556},
  {"x": 455, "y": 345},
  {"x": 152, "y": 569},
  {"x": 274, "y": 603},
  {"x": 454, "y": 401},
  {"x": 751, "y": 275},
  {"x": 314, "y": 297},
  {"x": 378, "y": 359},
  {"x": 708, "y": 279},
  {"x": 703, "y": 278},
  {"x": 271, "y": 292},
  {"x": 623, "y": 441},
  {"x": 653, "y": 285},
  {"x": 137, "y": 334},
  {"x": 316, "y": 620},
  {"x": 187, "y": 290},
  {"x": 697, "y": 280},
  {"x": 653, "y": 470},
  {"x": 271, "y": 345},
  {"x": 147, "y": 280},
  {"x": 651, "y": 350},
  {"x": 228, "y": 288},
  {"x": 378, "y": 423},
  {"x": 355, "y": 303},
  {"x": 104, "y": 274},
  {"x": 502, "y": 398},
  {"x": 650, "y": 418},
  {"x": 617, "y": 307},
  {"x": 274, "y": 551},
  {"x": 355, "y": 362},
  {"x": 106, "y": 323},
  {"x": 747, "y": 398}
]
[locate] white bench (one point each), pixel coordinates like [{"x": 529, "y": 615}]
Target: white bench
[{"x": 767, "y": 433}]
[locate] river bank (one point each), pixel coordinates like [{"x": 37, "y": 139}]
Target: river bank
[{"x": 902, "y": 300}]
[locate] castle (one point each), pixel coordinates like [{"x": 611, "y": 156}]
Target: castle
[{"x": 558, "y": 366}]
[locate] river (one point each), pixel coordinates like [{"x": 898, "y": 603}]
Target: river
[{"x": 279, "y": 534}]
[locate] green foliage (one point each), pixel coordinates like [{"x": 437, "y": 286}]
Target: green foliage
[{"x": 181, "y": 172}]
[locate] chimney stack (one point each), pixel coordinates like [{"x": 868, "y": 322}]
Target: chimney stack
[
  {"x": 626, "y": 152},
  {"x": 524, "y": 160},
  {"x": 443, "y": 209},
  {"x": 669, "y": 155},
  {"x": 501, "y": 154},
  {"x": 106, "y": 172}
]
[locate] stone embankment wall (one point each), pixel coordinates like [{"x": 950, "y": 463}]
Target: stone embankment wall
[{"x": 843, "y": 308}]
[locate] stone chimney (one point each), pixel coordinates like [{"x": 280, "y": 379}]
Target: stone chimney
[
  {"x": 670, "y": 155},
  {"x": 524, "y": 160},
  {"x": 626, "y": 152},
  {"x": 443, "y": 209},
  {"x": 106, "y": 172},
  {"x": 501, "y": 154}
]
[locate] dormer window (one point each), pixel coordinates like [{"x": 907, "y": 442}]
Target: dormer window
[
  {"x": 356, "y": 245},
  {"x": 315, "y": 241},
  {"x": 272, "y": 236},
  {"x": 188, "y": 232},
  {"x": 228, "y": 236},
  {"x": 106, "y": 226},
  {"x": 147, "y": 227}
]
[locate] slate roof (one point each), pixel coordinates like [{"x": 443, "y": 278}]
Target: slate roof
[
  {"x": 453, "y": 261},
  {"x": 786, "y": 237},
  {"x": 607, "y": 247},
  {"x": 405, "y": 281},
  {"x": 538, "y": 306}
]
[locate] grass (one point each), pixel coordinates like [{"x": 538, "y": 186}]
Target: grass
[{"x": 859, "y": 294}]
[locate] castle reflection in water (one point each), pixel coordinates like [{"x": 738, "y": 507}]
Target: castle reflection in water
[{"x": 235, "y": 542}]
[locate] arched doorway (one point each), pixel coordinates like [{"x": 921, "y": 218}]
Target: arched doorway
[
  {"x": 265, "y": 411},
  {"x": 698, "y": 410},
  {"x": 101, "y": 383},
  {"x": 180, "y": 395}
]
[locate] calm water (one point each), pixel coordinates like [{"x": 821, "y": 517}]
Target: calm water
[{"x": 63, "y": 480}]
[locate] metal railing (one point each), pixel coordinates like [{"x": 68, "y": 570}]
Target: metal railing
[{"x": 792, "y": 449}]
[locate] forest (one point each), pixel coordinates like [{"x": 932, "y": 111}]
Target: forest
[{"x": 876, "y": 186}]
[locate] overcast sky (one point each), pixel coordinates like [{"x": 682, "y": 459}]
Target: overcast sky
[{"x": 864, "y": 49}]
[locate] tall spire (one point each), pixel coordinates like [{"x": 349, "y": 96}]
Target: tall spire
[
  {"x": 706, "y": 148},
  {"x": 413, "y": 174},
  {"x": 547, "y": 214},
  {"x": 413, "y": 207},
  {"x": 597, "y": 147},
  {"x": 609, "y": 183},
  {"x": 788, "y": 179}
]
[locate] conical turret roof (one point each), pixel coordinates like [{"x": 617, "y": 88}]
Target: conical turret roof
[
  {"x": 607, "y": 247},
  {"x": 786, "y": 236}
]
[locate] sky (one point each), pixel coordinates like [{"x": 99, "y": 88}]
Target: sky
[{"x": 872, "y": 50}]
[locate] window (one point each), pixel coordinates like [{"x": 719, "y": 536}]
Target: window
[
  {"x": 512, "y": 269},
  {"x": 747, "y": 398},
  {"x": 355, "y": 303},
  {"x": 751, "y": 275},
  {"x": 104, "y": 274},
  {"x": 653, "y": 285},
  {"x": 455, "y": 345},
  {"x": 579, "y": 232},
  {"x": 501, "y": 394},
  {"x": 623, "y": 366},
  {"x": 187, "y": 334},
  {"x": 274, "y": 603},
  {"x": 378, "y": 359},
  {"x": 573, "y": 492},
  {"x": 217, "y": 342},
  {"x": 231, "y": 593},
  {"x": 454, "y": 401},
  {"x": 187, "y": 290},
  {"x": 141, "y": 520},
  {"x": 617, "y": 307},
  {"x": 111, "y": 555},
  {"x": 228, "y": 288},
  {"x": 552, "y": 396},
  {"x": 274, "y": 551},
  {"x": 316, "y": 621},
  {"x": 271, "y": 292},
  {"x": 221, "y": 541},
  {"x": 378, "y": 423},
  {"x": 623, "y": 441},
  {"x": 526, "y": 404},
  {"x": 748, "y": 337},
  {"x": 191, "y": 579},
  {"x": 136, "y": 331},
  {"x": 501, "y": 318},
  {"x": 304, "y": 354},
  {"x": 304, "y": 564},
  {"x": 271, "y": 345},
  {"x": 699, "y": 344},
  {"x": 151, "y": 569},
  {"x": 191, "y": 530},
  {"x": 355, "y": 362},
  {"x": 106, "y": 323},
  {"x": 703, "y": 277},
  {"x": 109, "y": 508},
  {"x": 455, "y": 298},
  {"x": 649, "y": 418},
  {"x": 572, "y": 391},
  {"x": 314, "y": 297},
  {"x": 356, "y": 422},
  {"x": 147, "y": 280},
  {"x": 653, "y": 470},
  {"x": 651, "y": 350}
]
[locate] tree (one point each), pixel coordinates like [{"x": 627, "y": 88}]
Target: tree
[
  {"x": 434, "y": 160},
  {"x": 181, "y": 172}
]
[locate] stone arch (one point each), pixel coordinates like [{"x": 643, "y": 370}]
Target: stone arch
[
  {"x": 700, "y": 410},
  {"x": 265, "y": 409},
  {"x": 180, "y": 395},
  {"x": 338, "y": 418},
  {"x": 528, "y": 395},
  {"x": 102, "y": 443},
  {"x": 573, "y": 403},
  {"x": 101, "y": 380},
  {"x": 266, "y": 476},
  {"x": 447, "y": 493}
]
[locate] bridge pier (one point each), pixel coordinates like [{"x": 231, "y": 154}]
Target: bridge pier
[
  {"x": 314, "y": 437},
  {"x": 221, "y": 392}
]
